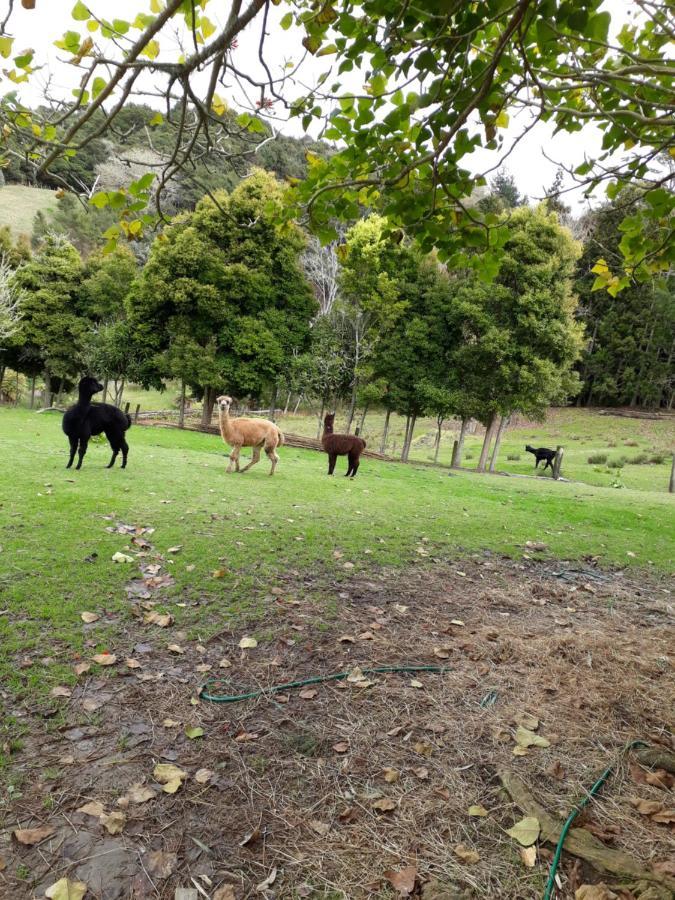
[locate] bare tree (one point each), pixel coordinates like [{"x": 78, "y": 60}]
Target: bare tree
[
  {"x": 9, "y": 302},
  {"x": 322, "y": 268}
]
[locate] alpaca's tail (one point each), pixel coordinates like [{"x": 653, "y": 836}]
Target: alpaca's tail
[
  {"x": 128, "y": 418},
  {"x": 281, "y": 437},
  {"x": 364, "y": 443}
]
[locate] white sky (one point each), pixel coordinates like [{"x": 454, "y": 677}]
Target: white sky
[{"x": 38, "y": 28}]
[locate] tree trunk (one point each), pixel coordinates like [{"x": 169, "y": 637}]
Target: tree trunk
[
  {"x": 2, "y": 375},
  {"x": 405, "y": 437},
  {"x": 383, "y": 442},
  {"x": 459, "y": 446},
  {"x": 105, "y": 389},
  {"x": 207, "y": 406},
  {"x": 181, "y": 408},
  {"x": 671, "y": 486},
  {"x": 297, "y": 405},
  {"x": 320, "y": 426},
  {"x": 288, "y": 402},
  {"x": 273, "y": 401},
  {"x": 489, "y": 432},
  {"x": 47, "y": 399},
  {"x": 119, "y": 394},
  {"x": 363, "y": 419},
  {"x": 32, "y": 392},
  {"x": 60, "y": 391},
  {"x": 438, "y": 438},
  {"x": 408, "y": 437},
  {"x": 352, "y": 406},
  {"x": 495, "y": 453}
]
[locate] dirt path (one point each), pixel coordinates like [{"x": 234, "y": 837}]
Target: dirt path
[{"x": 330, "y": 791}]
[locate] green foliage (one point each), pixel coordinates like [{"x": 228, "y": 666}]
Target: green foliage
[
  {"x": 597, "y": 459},
  {"x": 221, "y": 302},
  {"x": 628, "y": 358}
]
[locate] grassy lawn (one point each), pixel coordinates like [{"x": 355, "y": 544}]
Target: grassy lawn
[
  {"x": 19, "y": 203},
  {"x": 55, "y": 556}
]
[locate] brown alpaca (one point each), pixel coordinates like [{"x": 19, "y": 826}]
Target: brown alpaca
[
  {"x": 341, "y": 445},
  {"x": 256, "y": 433}
]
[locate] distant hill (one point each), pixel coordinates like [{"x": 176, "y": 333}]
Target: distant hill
[{"x": 18, "y": 205}]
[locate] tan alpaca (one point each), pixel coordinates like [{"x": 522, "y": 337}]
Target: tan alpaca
[{"x": 256, "y": 433}]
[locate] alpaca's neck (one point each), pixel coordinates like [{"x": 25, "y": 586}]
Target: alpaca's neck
[
  {"x": 225, "y": 424},
  {"x": 84, "y": 399}
]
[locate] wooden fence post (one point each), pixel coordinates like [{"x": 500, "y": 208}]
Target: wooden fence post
[
  {"x": 557, "y": 462},
  {"x": 138, "y": 409},
  {"x": 455, "y": 454},
  {"x": 126, "y": 407},
  {"x": 671, "y": 486}
]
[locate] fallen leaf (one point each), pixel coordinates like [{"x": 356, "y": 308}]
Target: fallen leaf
[
  {"x": 403, "y": 881},
  {"x": 555, "y": 770},
  {"x": 122, "y": 558},
  {"x": 665, "y": 867},
  {"x": 520, "y": 751},
  {"x": 646, "y": 807},
  {"x": 3, "y": 863},
  {"x": 538, "y": 546},
  {"x": 219, "y": 573},
  {"x": 598, "y": 891},
  {"x": 442, "y": 652},
  {"x": 132, "y": 663},
  {"x": 660, "y": 778},
  {"x": 105, "y": 659},
  {"x": 170, "y": 723},
  {"x": 161, "y": 619},
  {"x": 65, "y": 889},
  {"x": 91, "y": 704},
  {"x": 341, "y": 747},
  {"x": 665, "y": 816},
  {"x": 457, "y": 622},
  {"x": 346, "y": 639},
  {"x": 114, "y": 823},
  {"x": 140, "y": 793},
  {"x": 203, "y": 776},
  {"x": 89, "y": 617},
  {"x": 529, "y": 856},
  {"x": 527, "y": 738},
  {"x": 224, "y": 892},
  {"x": 160, "y": 863},
  {"x": 175, "y": 648},
  {"x": 391, "y": 775},
  {"x": 245, "y": 736},
  {"x": 93, "y": 808},
  {"x": 400, "y": 608},
  {"x": 169, "y": 776},
  {"x": 268, "y": 882},
  {"x": 422, "y": 773},
  {"x": 465, "y": 854},
  {"x": 193, "y": 732},
  {"x": 175, "y": 549},
  {"x": 384, "y": 804},
  {"x": 416, "y": 683},
  {"x": 321, "y": 828},
  {"x": 477, "y": 810},
  {"x": 248, "y": 643},
  {"x": 526, "y": 831},
  {"x": 30, "y": 836},
  {"x": 307, "y": 694},
  {"x": 527, "y": 721},
  {"x": 423, "y": 748},
  {"x": 204, "y": 667},
  {"x": 224, "y": 663},
  {"x": 60, "y": 691}
]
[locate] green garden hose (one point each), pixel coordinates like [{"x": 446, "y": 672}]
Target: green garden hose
[
  {"x": 550, "y": 884},
  {"x": 207, "y": 687}
]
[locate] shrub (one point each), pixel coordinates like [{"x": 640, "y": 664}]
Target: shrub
[
  {"x": 597, "y": 459},
  {"x": 616, "y": 463},
  {"x": 469, "y": 455},
  {"x": 639, "y": 460},
  {"x": 656, "y": 458},
  {"x": 513, "y": 455}
]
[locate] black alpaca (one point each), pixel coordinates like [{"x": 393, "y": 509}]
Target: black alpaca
[
  {"x": 542, "y": 453},
  {"x": 85, "y": 419},
  {"x": 341, "y": 445}
]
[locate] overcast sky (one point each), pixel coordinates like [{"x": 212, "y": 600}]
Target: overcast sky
[{"x": 37, "y": 29}]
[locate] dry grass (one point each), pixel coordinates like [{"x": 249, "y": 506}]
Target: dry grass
[{"x": 585, "y": 653}]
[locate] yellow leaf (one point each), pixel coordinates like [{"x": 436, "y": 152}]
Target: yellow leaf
[
  {"x": 502, "y": 120},
  {"x": 169, "y": 776},
  {"x": 477, "y": 810},
  {"x": 248, "y": 643},
  {"x": 526, "y": 831},
  {"x": 151, "y": 50},
  {"x": 114, "y": 823},
  {"x": 527, "y": 738},
  {"x": 65, "y": 889},
  {"x": 156, "y": 6},
  {"x": 465, "y": 854},
  {"x": 600, "y": 268},
  {"x": 218, "y": 105},
  {"x": 528, "y": 856}
]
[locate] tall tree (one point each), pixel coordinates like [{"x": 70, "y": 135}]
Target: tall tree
[{"x": 228, "y": 279}]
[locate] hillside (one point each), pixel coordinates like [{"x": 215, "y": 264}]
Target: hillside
[{"x": 18, "y": 205}]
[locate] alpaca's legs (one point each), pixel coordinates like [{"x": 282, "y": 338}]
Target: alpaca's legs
[
  {"x": 115, "y": 450},
  {"x": 332, "y": 459},
  {"x": 273, "y": 457},
  {"x": 125, "y": 453},
  {"x": 255, "y": 458},
  {"x": 354, "y": 465},
  {"x": 234, "y": 458},
  {"x": 84, "y": 440},
  {"x": 73, "y": 451}
]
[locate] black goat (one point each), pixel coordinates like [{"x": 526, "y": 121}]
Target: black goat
[
  {"x": 85, "y": 419},
  {"x": 542, "y": 453}
]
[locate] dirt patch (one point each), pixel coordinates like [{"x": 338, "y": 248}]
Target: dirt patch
[{"x": 344, "y": 788}]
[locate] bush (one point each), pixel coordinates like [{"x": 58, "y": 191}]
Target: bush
[
  {"x": 469, "y": 455},
  {"x": 639, "y": 460},
  {"x": 656, "y": 458},
  {"x": 616, "y": 463},
  {"x": 513, "y": 455},
  {"x": 597, "y": 459}
]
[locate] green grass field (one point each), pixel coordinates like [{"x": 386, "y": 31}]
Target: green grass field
[
  {"x": 18, "y": 205},
  {"x": 55, "y": 552}
]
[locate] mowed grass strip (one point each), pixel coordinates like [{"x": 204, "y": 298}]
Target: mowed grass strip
[{"x": 56, "y": 555}]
